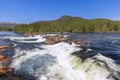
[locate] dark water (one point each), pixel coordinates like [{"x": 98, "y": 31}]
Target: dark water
[{"x": 108, "y": 44}]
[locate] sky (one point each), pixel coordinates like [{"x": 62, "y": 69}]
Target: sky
[{"x": 26, "y": 11}]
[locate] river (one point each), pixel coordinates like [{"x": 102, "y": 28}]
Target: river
[{"x": 33, "y": 60}]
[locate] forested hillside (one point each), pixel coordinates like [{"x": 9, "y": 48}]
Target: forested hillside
[
  {"x": 70, "y": 24},
  {"x": 7, "y": 26}
]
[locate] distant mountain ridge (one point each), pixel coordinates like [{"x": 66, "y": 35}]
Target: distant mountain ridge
[{"x": 8, "y": 24}]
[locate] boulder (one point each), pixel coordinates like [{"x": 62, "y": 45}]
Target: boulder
[{"x": 54, "y": 39}]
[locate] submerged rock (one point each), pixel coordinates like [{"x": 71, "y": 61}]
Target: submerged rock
[{"x": 54, "y": 39}]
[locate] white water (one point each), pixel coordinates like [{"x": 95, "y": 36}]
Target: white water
[
  {"x": 55, "y": 62},
  {"x": 38, "y": 38}
]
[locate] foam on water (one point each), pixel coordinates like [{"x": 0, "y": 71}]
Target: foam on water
[
  {"x": 35, "y": 39},
  {"x": 98, "y": 67},
  {"x": 48, "y": 55},
  {"x": 56, "y": 62}
]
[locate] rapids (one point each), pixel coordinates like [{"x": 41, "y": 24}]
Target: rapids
[{"x": 34, "y": 60}]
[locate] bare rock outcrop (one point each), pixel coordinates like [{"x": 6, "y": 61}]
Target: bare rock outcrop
[{"x": 54, "y": 39}]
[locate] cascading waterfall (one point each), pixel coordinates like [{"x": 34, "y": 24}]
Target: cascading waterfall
[{"x": 56, "y": 62}]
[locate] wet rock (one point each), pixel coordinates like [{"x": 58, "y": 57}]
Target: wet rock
[
  {"x": 6, "y": 70},
  {"x": 84, "y": 53},
  {"x": 79, "y": 42},
  {"x": 9, "y": 76},
  {"x": 3, "y": 58},
  {"x": 4, "y": 64},
  {"x": 54, "y": 39},
  {"x": 2, "y": 48}
]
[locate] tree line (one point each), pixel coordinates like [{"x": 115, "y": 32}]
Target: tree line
[
  {"x": 69, "y": 24},
  {"x": 6, "y": 28}
]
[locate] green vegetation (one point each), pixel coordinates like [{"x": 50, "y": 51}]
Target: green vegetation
[
  {"x": 6, "y": 28},
  {"x": 69, "y": 24}
]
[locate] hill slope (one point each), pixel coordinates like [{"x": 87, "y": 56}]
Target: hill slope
[{"x": 70, "y": 24}]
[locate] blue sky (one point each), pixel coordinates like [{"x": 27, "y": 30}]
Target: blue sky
[{"x": 25, "y": 11}]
